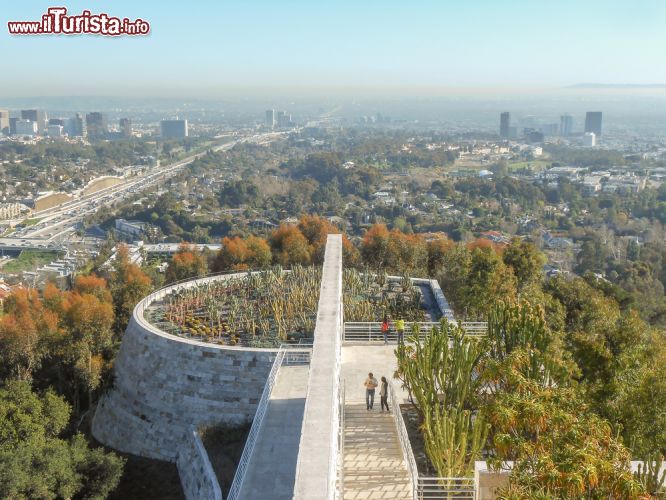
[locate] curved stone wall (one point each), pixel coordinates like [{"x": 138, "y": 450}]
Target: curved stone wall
[{"x": 164, "y": 384}]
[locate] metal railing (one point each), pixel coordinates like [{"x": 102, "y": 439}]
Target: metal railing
[
  {"x": 257, "y": 422},
  {"x": 403, "y": 437},
  {"x": 371, "y": 332},
  {"x": 340, "y": 490},
  {"x": 450, "y": 488},
  {"x": 427, "y": 488}
]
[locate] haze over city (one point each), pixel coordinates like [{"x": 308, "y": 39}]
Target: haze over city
[{"x": 213, "y": 49}]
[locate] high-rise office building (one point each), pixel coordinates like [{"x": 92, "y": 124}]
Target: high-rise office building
[
  {"x": 55, "y": 131},
  {"x": 12, "y": 124},
  {"x": 566, "y": 125},
  {"x": 505, "y": 124},
  {"x": 96, "y": 125},
  {"x": 270, "y": 118},
  {"x": 57, "y": 121},
  {"x": 593, "y": 122},
  {"x": 283, "y": 119},
  {"x": 26, "y": 127},
  {"x": 125, "y": 125},
  {"x": 589, "y": 139},
  {"x": 36, "y": 115},
  {"x": 4, "y": 121},
  {"x": 76, "y": 127},
  {"x": 173, "y": 129}
]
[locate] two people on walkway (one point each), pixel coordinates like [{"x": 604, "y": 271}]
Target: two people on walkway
[
  {"x": 370, "y": 385},
  {"x": 399, "y": 327}
]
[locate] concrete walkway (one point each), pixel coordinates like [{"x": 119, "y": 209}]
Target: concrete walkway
[
  {"x": 374, "y": 467},
  {"x": 272, "y": 467}
]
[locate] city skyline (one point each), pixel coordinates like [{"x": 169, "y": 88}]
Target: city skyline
[{"x": 423, "y": 48}]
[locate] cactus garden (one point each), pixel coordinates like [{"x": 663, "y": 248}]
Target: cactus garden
[{"x": 267, "y": 308}]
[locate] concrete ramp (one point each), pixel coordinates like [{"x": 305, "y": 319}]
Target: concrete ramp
[{"x": 272, "y": 468}]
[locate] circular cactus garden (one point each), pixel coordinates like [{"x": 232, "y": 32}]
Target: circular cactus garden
[{"x": 267, "y": 308}]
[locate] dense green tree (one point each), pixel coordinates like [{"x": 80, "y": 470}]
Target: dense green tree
[
  {"x": 525, "y": 261},
  {"x": 35, "y": 462}
]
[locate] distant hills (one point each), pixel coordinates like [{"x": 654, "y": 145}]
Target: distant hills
[{"x": 618, "y": 86}]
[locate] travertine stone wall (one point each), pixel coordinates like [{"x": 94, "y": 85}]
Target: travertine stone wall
[
  {"x": 164, "y": 384},
  {"x": 197, "y": 476}
]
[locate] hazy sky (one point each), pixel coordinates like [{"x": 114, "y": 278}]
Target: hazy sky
[{"x": 210, "y": 48}]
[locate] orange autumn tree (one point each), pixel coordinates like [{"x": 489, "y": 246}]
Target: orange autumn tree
[
  {"x": 129, "y": 284},
  {"x": 394, "y": 251},
  {"x": 316, "y": 230},
  {"x": 243, "y": 253},
  {"x": 23, "y": 328},
  {"x": 290, "y": 247},
  {"x": 187, "y": 262}
]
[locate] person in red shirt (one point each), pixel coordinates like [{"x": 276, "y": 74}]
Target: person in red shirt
[{"x": 385, "y": 329}]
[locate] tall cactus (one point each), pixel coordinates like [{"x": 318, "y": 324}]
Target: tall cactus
[
  {"x": 439, "y": 374},
  {"x": 648, "y": 474}
]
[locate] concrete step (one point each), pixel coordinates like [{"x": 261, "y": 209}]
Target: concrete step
[{"x": 373, "y": 462}]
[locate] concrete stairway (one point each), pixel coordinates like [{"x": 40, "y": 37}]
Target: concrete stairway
[{"x": 374, "y": 467}]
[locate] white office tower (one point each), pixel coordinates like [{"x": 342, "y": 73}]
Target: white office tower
[{"x": 589, "y": 139}]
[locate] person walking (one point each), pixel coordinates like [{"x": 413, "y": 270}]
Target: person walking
[
  {"x": 383, "y": 394},
  {"x": 370, "y": 386},
  {"x": 400, "y": 327},
  {"x": 385, "y": 329}
]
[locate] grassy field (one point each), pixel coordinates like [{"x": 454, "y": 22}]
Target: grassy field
[
  {"x": 31, "y": 222},
  {"x": 29, "y": 260},
  {"x": 534, "y": 165}
]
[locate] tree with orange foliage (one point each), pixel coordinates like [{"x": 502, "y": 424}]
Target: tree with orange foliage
[
  {"x": 187, "y": 262},
  {"x": 437, "y": 250},
  {"x": 92, "y": 284},
  {"x": 129, "y": 284},
  {"x": 316, "y": 230},
  {"x": 238, "y": 253},
  {"x": 290, "y": 247},
  {"x": 88, "y": 335},
  {"x": 406, "y": 254},
  {"x": 22, "y": 330},
  {"x": 374, "y": 248}
]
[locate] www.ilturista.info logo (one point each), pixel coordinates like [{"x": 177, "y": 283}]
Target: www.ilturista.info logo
[{"x": 57, "y": 22}]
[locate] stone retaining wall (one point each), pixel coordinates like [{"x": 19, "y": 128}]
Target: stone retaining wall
[
  {"x": 165, "y": 384},
  {"x": 197, "y": 476}
]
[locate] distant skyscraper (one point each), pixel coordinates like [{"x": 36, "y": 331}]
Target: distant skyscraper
[
  {"x": 55, "y": 131},
  {"x": 589, "y": 139},
  {"x": 593, "y": 122},
  {"x": 12, "y": 125},
  {"x": 173, "y": 129},
  {"x": 96, "y": 125},
  {"x": 26, "y": 127},
  {"x": 505, "y": 124},
  {"x": 270, "y": 118},
  {"x": 125, "y": 127},
  {"x": 4, "y": 121},
  {"x": 283, "y": 119},
  {"x": 35, "y": 115},
  {"x": 75, "y": 126},
  {"x": 566, "y": 125},
  {"x": 57, "y": 121}
]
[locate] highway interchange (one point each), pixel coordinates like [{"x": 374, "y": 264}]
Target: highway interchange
[{"x": 58, "y": 224}]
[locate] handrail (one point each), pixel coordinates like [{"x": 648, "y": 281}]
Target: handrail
[
  {"x": 370, "y": 331},
  {"x": 257, "y": 422},
  {"x": 341, "y": 441},
  {"x": 403, "y": 437}
]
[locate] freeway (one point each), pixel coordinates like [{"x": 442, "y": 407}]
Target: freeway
[{"x": 58, "y": 223}]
